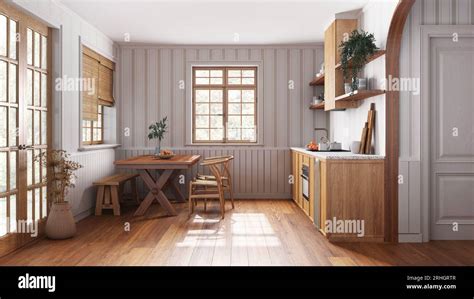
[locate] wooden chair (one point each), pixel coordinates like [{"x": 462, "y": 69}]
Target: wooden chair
[
  {"x": 225, "y": 175},
  {"x": 110, "y": 192},
  {"x": 208, "y": 189}
]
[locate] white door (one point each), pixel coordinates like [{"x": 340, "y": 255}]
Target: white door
[{"x": 452, "y": 138}]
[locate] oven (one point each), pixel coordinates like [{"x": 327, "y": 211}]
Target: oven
[{"x": 305, "y": 182}]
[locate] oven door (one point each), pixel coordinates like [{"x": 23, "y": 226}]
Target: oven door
[{"x": 305, "y": 182}]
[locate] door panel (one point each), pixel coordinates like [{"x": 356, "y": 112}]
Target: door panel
[
  {"x": 23, "y": 125},
  {"x": 452, "y": 139}
]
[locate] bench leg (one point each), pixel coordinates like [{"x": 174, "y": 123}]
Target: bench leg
[
  {"x": 107, "y": 195},
  {"x": 99, "y": 200},
  {"x": 115, "y": 200}
]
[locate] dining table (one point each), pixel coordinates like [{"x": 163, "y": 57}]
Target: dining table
[{"x": 168, "y": 170}]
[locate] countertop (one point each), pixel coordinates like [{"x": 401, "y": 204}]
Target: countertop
[{"x": 338, "y": 155}]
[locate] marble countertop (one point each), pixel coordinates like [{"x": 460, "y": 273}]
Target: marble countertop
[{"x": 338, "y": 155}]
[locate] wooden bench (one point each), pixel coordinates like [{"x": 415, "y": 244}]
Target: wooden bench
[{"x": 110, "y": 192}]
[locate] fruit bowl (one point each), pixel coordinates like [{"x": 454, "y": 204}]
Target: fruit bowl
[{"x": 166, "y": 154}]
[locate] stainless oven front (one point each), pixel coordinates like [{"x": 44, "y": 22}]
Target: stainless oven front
[{"x": 305, "y": 182}]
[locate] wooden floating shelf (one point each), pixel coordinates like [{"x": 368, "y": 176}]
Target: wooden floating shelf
[
  {"x": 317, "y": 81},
  {"x": 359, "y": 95},
  {"x": 317, "y": 106},
  {"x": 371, "y": 58}
]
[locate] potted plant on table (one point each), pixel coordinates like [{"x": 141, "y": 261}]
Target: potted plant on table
[
  {"x": 61, "y": 177},
  {"x": 355, "y": 52},
  {"x": 157, "y": 131}
]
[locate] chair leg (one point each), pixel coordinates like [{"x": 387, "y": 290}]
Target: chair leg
[
  {"x": 231, "y": 192},
  {"x": 205, "y": 205},
  {"x": 191, "y": 205}
]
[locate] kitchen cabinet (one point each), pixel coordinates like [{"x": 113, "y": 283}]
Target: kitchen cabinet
[
  {"x": 344, "y": 190},
  {"x": 333, "y": 77}
]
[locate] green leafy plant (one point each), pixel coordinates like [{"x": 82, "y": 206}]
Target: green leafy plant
[
  {"x": 355, "y": 52},
  {"x": 158, "y": 129}
]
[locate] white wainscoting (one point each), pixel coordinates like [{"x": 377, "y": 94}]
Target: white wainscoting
[
  {"x": 256, "y": 172},
  {"x": 96, "y": 164}
]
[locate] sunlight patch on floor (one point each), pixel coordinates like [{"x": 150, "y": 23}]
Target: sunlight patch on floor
[{"x": 243, "y": 230}]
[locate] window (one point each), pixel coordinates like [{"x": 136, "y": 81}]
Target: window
[
  {"x": 224, "y": 104},
  {"x": 93, "y": 130},
  {"x": 97, "y": 93}
]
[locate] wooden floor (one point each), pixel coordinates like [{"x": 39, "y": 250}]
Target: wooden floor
[{"x": 257, "y": 232}]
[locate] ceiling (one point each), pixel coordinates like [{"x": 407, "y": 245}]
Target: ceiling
[{"x": 223, "y": 22}]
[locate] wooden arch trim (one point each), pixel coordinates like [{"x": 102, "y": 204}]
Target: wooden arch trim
[{"x": 392, "y": 110}]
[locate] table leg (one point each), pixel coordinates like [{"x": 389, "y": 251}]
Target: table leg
[
  {"x": 155, "y": 192},
  {"x": 174, "y": 186}
]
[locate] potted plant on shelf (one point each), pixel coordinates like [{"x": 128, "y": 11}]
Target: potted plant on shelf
[
  {"x": 60, "y": 223},
  {"x": 157, "y": 131},
  {"x": 355, "y": 52}
]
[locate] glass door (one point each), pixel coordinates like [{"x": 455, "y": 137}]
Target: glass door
[{"x": 24, "y": 116}]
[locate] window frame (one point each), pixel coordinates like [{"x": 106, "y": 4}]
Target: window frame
[
  {"x": 100, "y": 114},
  {"x": 225, "y": 87}
]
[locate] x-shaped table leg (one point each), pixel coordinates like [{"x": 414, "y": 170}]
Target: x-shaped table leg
[
  {"x": 172, "y": 184},
  {"x": 156, "y": 192}
]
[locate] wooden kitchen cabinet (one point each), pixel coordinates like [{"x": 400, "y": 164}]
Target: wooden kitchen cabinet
[
  {"x": 333, "y": 77},
  {"x": 347, "y": 190}
]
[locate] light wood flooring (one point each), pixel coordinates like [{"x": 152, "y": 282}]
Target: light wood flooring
[{"x": 255, "y": 233}]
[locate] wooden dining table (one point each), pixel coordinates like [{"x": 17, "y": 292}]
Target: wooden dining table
[{"x": 168, "y": 170}]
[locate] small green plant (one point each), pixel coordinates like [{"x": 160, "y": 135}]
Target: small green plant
[
  {"x": 157, "y": 131},
  {"x": 357, "y": 49}
]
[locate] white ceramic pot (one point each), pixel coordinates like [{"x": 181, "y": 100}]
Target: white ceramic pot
[{"x": 60, "y": 224}]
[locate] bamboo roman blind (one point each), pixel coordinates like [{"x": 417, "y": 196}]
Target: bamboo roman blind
[{"x": 97, "y": 72}]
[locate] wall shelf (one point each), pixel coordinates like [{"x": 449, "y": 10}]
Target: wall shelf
[
  {"x": 377, "y": 54},
  {"x": 317, "y": 106},
  {"x": 317, "y": 81},
  {"x": 359, "y": 95}
]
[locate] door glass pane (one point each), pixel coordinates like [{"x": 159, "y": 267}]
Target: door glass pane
[
  {"x": 29, "y": 206},
  {"x": 13, "y": 127},
  {"x": 44, "y": 127},
  {"x": 13, "y": 170},
  {"x": 36, "y": 89},
  {"x": 12, "y": 213},
  {"x": 37, "y": 49},
  {"x": 37, "y": 127},
  {"x": 37, "y": 203},
  {"x": 44, "y": 201},
  {"x": 3, "y": 171},
  {"x": 12, "y": 83},
  {"x": 3, "y": 81},
  {"x": 3, "y": 35},
  {"x": 3, "y": 126},
  {"x": 29, "y": 127},
  {"x": 29, "y": 46},
  {"x": 29, "y": 87},
  {"x": 29, "y": 167},
  {"x": 44, "y": 52},
  {"x": 3, "y": 216},
  {"x": 13, "y": 39},
  {"x": 37, "y": 167},
  {"x": 44, "y": 89}
]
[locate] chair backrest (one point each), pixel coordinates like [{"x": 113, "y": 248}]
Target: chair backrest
[
  {"x": 216, "y": 166},
  {"x": 224, "y": 171}
]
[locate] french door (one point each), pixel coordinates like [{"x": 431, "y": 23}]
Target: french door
[{"x": 24, "y": 101}]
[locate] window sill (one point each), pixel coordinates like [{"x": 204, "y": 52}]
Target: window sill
[{"x": 97, "y": 147}]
